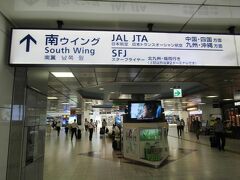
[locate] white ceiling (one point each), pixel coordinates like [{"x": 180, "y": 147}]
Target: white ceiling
[
  {"x": 167, "y": 15},
  {"x": 156, "y": 83}
]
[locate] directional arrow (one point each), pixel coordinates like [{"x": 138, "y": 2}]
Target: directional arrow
[
  {"x": 177, "y": 93},
  {"x": 28, "y": 38}
]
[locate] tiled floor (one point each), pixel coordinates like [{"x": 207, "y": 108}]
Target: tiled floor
[{"x": 84, "y": 160}]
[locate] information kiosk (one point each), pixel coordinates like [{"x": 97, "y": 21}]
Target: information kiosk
[{"x": 145, "y": 133}]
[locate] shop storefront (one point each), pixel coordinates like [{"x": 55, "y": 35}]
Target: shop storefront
[{"x": 231, "y": 113}]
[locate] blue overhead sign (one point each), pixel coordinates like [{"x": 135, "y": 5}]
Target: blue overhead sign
[{"x": 58, "y": 47}]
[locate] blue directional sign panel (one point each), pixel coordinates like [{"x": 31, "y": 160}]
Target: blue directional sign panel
[{"x": 45, "y": 47}]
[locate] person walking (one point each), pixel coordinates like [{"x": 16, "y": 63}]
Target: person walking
[
  {"x": 86, "y": 124},
  {"x": 66, "y": 129},
  {"x": 91, "y": 127},
  {"x": 220, "y": 134},
  {"x": 179, "y": 129},
  {"x": 58, "y": 127},
  {"x": 182, "y": 123},
  {"x": 74, "y": 127},
  {"x": 197, "y": 127},
  {"x": 104, "y": 124}
]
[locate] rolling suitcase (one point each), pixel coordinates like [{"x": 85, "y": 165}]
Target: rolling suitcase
[
  {"x": 213, "y": 141},
  {"x": 79, "y": 134},
  {"x": 116, "y": 144},
  {"x": 102, "y": 131}
]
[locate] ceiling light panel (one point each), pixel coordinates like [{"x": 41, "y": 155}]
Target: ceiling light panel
[
  {"x": 211, "y": 96},
  {"x": 52, "y": 98},
  {"x": 63, "y": 74}
]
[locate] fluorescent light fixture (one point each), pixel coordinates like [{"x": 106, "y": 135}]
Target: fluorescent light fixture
[
  {"x": 201, "y": 103},
  {"x": 101, "y": 89},
  {"x": 125, "y": 96},
  {"x": 211, "y": 96},
  {"x": 227, "y": 99},
  {"x": 184, "y": 102},
  {"x": 167, "y": 101},
  {"x": 112, "y": 92},
  {"x": 62, "y": 74},
  {"x": 52, "y": 98},
  {"x": 65, "y": 103}
]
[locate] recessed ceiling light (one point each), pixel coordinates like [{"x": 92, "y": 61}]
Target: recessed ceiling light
[
  {"x": 227, "y": 99},
  {"x": 211, "y": 96},
  {"x": 62, "y": 74},
  {"x": 52, "y": 98},
  {"x": 101, "y": 89}
]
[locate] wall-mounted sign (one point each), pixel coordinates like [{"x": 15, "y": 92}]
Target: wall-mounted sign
[
  {"x": 177, "y": 92},
  {"x": 69, "y": 47}
]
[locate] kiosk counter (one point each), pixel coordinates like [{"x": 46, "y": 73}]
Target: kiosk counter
[{"x": 146, "y": 142}]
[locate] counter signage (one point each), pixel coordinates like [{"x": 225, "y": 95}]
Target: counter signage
[{"x": 45, "y": 47}]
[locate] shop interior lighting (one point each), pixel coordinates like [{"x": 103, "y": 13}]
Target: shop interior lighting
[
  {"x": 211, "y": 96},
  {"x": 192, "y": 109},
  {"x": 52, "y": 98},
  {"x": 227, "y": 99},
  {"x": 201, "y": 103},
  {"x": 101, "y": 89},
  {"x": 62, "y": 74},
  {"x": 65, "y": 103}
]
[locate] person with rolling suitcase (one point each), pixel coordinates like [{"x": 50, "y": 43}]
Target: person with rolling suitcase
[
  {"x": 220, "y": 134},
  {"x": 102, "y": 131}
]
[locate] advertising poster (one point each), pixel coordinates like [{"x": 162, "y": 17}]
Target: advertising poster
[
  {"x": 131, "y": 143},
  {"x": 151, "y": 144}
]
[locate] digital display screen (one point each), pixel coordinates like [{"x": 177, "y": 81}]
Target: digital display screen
[
  {"x": 72, "y": 118},
  {"x": 146, "y": 111}
]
